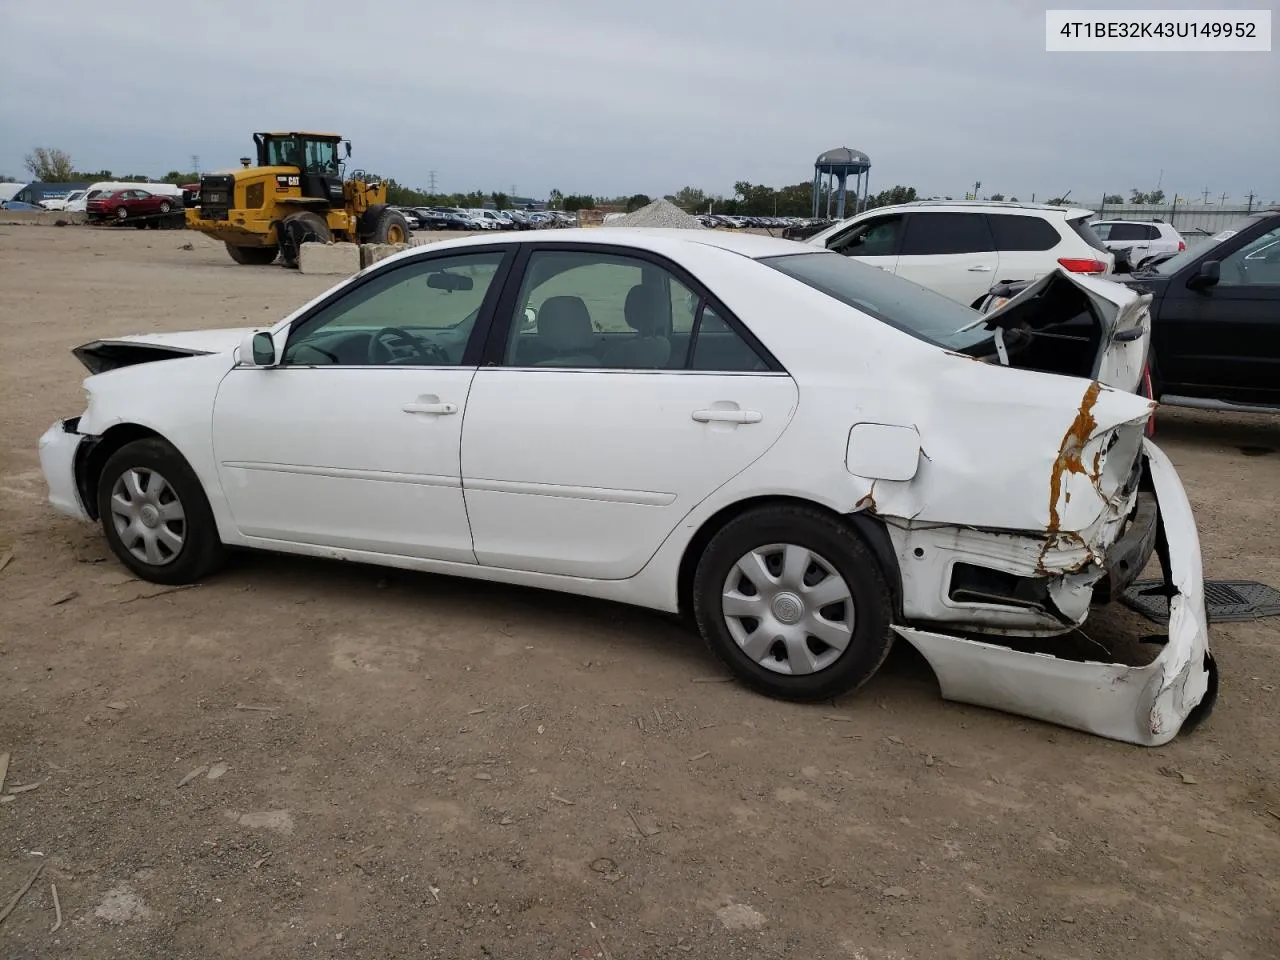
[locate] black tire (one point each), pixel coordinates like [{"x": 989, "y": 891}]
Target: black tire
[
  {"x": 122, "y": 214},
  {"x": 297, "y": 229},
  {"x": 850, "y": 558},
  {"x": 165, "y": 206},
  {"x": 387, "y": 225},
  {"x": 253, "y": 256},
  {"x": 201, "y": 550}
]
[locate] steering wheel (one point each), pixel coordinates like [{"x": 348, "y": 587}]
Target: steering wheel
[{"x": 381, "y": 352}]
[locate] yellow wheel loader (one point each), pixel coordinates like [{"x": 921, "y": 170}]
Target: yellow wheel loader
[{"x": 297, "y": 192}]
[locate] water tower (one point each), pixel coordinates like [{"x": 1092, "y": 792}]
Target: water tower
[{"x": 838, "y": 166}]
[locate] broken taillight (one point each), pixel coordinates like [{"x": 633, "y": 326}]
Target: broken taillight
[{"x": 1082, "y": 265}]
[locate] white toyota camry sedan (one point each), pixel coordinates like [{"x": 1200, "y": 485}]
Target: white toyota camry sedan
[{"x": 809, "y": 456}]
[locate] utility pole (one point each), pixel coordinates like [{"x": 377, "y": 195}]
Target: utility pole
[
  {"x": 1222, "y": 200},
  {"x": 1250, "y": 210},
  {"x": 195, "y": 162},
  {"x": 431, "y": 181},
  {"x": 1204, "y": 195}
]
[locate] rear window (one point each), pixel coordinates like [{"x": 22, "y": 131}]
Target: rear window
[
  {"x": 1085, "y": 232},
  {"x": 1131, "y": 231},
  {"x": 1013, "y": 232},
  {"x": 903, "y": 305}
]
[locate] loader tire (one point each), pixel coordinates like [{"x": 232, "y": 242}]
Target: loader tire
[
  {"x": 297, "y": 229},
  {"x": 390, "y": 227},
  {"x": 253, "y": 256}
]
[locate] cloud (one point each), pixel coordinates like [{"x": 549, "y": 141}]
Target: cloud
[{"x": 620, "y": 97}]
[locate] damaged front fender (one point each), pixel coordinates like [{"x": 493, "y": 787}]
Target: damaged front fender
[{"x": 1144, "y": 705}]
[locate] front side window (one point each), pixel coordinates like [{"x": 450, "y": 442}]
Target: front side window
[
  {"x": 877, "y": 237},
  {"x": 321, "y": 156},
  {"x": 1257, "y": 262},
  {"x": 598, "y": 309},
  {"x": 1171, "y": 266},
  {"x": 418, "y": 314},
  {"x": 939, "y": 234}
]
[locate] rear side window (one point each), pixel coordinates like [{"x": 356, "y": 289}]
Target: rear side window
[
  {"x": 1085, "y": 232},
  {"x": 1022, "y": 233},
  {"x": 934, "y": 234},
  {"x": 1132, "y": 231}
]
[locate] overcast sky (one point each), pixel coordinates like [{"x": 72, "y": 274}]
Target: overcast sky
[{"x": 619, "y": 96}]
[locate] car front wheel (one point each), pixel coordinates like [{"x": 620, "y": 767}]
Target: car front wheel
[
  {"x": 794, "y": 603},
  {"x": 155, "y": 515}
]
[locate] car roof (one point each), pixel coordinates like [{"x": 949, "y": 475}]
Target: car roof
[{"x": 645, "y": 238}]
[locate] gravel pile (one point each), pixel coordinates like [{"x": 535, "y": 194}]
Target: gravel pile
[{"x": 660, "y": 213}]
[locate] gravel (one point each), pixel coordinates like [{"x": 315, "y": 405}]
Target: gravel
[{"x": 660, "y": 213}]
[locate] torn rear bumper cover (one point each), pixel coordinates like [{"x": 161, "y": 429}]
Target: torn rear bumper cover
[{"x": 1145, "y": 705}]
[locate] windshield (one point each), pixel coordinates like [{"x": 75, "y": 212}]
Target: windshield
[
  {"x": 913, "y": 309},
  {"x": 1180, "y": 260}
]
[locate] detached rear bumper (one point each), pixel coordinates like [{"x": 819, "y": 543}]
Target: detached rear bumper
[
  {"x": 1145, "y": 705},
  {"x": 58, "y": 449}
]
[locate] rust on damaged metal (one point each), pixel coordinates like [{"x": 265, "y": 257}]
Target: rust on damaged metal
[{"x": 1069, "y": 451}]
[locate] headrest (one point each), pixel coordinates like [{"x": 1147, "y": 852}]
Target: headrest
[
  {"x": 565, "y": 324},
  {"x": 643, "y": 310}
]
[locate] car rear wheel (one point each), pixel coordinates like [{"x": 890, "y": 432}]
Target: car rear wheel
[
  {"x": 164, "y": 206},
  {"x": 122, "y": 213},
  {"x": 155, "y": 515},
  {"x": 793, "y": 603}
]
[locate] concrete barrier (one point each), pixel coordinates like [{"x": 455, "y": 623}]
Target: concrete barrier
[
  {"x": 371, "y": 253},
  {"x": 39, "y": 218},
  {"x": 333, "y": 259}
]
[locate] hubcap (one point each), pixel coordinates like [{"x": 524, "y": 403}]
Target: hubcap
[
  {"x": 788, "y": 609},
  {"x": 148, "y": 516}
]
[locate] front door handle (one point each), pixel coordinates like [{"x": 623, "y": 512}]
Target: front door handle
[
  {"x": 439, "y": 409},
  {"x": 980, "y": 269},
  {"x": 728, "y": 416}
]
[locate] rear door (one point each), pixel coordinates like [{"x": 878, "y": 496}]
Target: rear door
[
  {"x": 952, "y": 253},
  {"x": 1025, "y": 242}
]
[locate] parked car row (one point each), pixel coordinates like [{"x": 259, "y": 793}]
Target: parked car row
[
  {"x": 725, "y": 221},
  {"x": 462, "y": 218}
]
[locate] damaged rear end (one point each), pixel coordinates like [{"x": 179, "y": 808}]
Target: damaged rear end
[
  {"x": 992, "y": 591},
  {"x": 1146, "y": 704}
]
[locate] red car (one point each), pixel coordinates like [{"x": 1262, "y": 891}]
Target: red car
[{"x": 123, "y": 204}]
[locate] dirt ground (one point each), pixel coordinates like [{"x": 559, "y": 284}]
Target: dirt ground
[{"x": 315, "y": 759}]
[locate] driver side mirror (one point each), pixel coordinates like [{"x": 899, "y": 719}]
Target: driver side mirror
[
  {"x": 530, "y": 318},
  {"x": 257, "y": 350},
  {"x": 347, "y": 146},
  {"x": 1208, "y": 275}
]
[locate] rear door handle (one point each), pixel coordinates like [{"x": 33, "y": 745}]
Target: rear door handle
[
  {"x": 728, "y": 416},
  {"x": 980, "y": 269},
  {"x": 439, "y": 409}
]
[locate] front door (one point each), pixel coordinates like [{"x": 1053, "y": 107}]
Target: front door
[
  {"x": 952, "y": 253},
  {"x": 353, "y": 439},
  {"x": 622, "y": 399},
  {"x": 1223, "y": 341}
]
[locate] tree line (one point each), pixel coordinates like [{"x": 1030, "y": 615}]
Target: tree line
[{"x": 52, "y": 165}]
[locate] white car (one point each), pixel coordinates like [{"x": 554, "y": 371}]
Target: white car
[
  {"x": 65, "y": 203},
  {"x": 808, "y": 455},
  {"x": 1141, "y": 238},
  {"x": 962, "y": 249}
]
